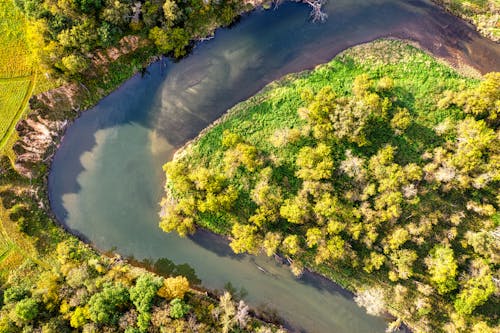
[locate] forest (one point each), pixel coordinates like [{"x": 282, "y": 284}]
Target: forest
[
  {"x": 381, "y": 172},
  {"x": 64, "y": 36},
  {"x": 97, "y": 294}
]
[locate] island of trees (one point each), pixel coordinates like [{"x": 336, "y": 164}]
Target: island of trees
[{"x": 381, "y": 172}]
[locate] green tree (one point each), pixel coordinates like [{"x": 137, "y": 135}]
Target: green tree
[
  {"x": 178, "y": 308},
  {"x": 401, "y": 120},
  {"x": 117, "y": 13},
  {"x": 272, "y": 241},
  {"x": 15, "y": 293},
  {"x": 315, "y": 163},
  {"x": 373, "y": 262},
  {"x": 26, "y": 309},
  {"x": 142, "y": 295},
  {"x": 403, "y": 260},
  {"x": 296, "y": 209},
  {"x": 483, "y": 101},
  {"x": 244, "y": 155},
  {"x": 79, "y": 317},
  {"x": 75, "y": 64},
  {"x": 245, "y": 239},
  {"x": 291, "y": 244},
  {"x": 442, "y": 268},
  {"x": 104, "y": 306},
  {"x": 476, "y": 289},
  {"x": 170, "y": 12}
]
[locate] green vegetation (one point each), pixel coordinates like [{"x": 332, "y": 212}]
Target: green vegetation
[
  {"x": 49, "y": 280},
  {"x": 70, "y": 39},
  {"x": 379, "y": 169},
  {"x": 95, "y": 294},
  {"x": 484, "y": 14},
  {"x": 16, "y": 72}
]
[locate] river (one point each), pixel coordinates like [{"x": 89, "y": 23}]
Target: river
[{"x": 106, "y": 179}]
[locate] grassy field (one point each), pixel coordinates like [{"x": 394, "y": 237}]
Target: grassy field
[
  {"x": 17, "y": 77},
  {"x": 16, "y": 85}
]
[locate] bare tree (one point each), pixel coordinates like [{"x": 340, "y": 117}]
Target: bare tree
[{"x": 317, "y": 13}]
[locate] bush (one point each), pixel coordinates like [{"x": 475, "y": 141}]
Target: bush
[{"x": 178, "y": 308}]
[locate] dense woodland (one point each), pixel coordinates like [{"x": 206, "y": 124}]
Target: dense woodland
[
  {"x": 64, "y": 35},
  {"x": 381, "y": 173},
  {"x": 97, "y": 294}
]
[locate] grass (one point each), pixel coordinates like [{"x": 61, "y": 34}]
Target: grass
[
  {"x": 18, "y": 74},
  {"x": 420, "y": 82},
  {"x": 16, "y": 70},
  {"x": 15, "y": 58},
  {"x": 16, "y": 248}
]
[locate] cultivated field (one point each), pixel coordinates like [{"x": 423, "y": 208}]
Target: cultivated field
[{"x": 16, "y": 71}]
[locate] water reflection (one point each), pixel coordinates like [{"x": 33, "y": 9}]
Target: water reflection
[{"x": 106, "y": 179}]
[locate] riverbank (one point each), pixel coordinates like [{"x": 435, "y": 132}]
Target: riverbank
[
  {"x": 233, "y": 204},
  {"x": 30, "y": 237},
  {"x": 39, "y": 168},
  {"x": 483, "y": 15}
]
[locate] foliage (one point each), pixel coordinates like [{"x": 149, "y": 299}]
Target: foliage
[
  {"x": 142, "y": 295},
  {"x": 104, "y": 306},
  {"x": 442, "y": 268},
  {"x": 69, "y": 33},
  {"x": 391, "y": 184},
  {"x": 27, "y": 309},
  {"x": 178, "y": 308},
  {"x": 482, "y": 13},
  {"x": 174, "y": 287}
]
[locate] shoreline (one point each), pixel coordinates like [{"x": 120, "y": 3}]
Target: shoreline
[{"x": 52, "y": 149}]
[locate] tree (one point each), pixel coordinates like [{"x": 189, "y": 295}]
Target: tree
[
  {"x": 334, "y": 248},
  {"x": 228, "y": 312},
  {"x": 26, "y": 309},
  {"x": 245, "y": 239},
  {"x": 79, "y": 317},
  {"x": 372, "y": 300},
  {"x": 15, "y": 293},
  {"x": 117, "y": 13},
  {"x": 174, "y": 287},
  {"x": 291, "y": 244},
  {"x": 313, "y": 237},
  {"x": 373, "y": 262},
  {"x": 170, "y": 12},
  {"x": 403, "y": 260},
  {"x": 75, "y": 64},
  {"x": 178, "y": 308},
  {"x": 295, "y": 210},
  {"x": 400, "y": 121},
  {"x": 442, "y": 268},
  {"x": 272, "y": 240},
  {"x": 244, "y": 155},
  {"x": 483, "y": 101},
  {"x": 171, "y": 40},
  {"x": 142, "y": 295},
  {"x": 476, "y": 289},
  {"x": 104, "y": 306},
  {"x": 397, "y": 238},
  {"x": 315, "y": 163}
]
